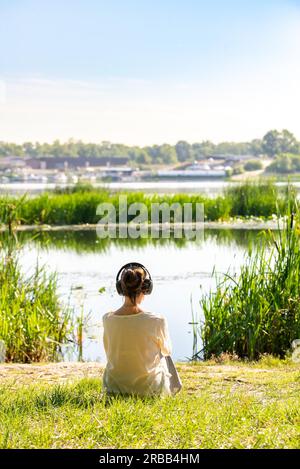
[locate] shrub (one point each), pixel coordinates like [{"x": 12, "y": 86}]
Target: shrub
[
  {"x": 285, "y": 163},
  {"x": 253, "y": 165}
]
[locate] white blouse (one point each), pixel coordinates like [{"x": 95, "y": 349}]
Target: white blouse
[{"x": 133, "y": 345}]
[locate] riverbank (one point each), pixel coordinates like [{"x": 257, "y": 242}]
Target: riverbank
[
  {"x": 231, "y": 404},
  {"x": 235, "y": 223}
]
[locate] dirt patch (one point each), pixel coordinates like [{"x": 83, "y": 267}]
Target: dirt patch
[
  {"x": 70, "y": 371},
  {"x": 49, "y": 372}
]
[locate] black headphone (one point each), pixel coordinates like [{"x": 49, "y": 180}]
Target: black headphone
[{"x": 147, "y": 285}]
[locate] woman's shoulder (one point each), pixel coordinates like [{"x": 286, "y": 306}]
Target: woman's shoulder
[
  {"x": 144, "y": 314},
  {"x": 104, "y": 316},
  {"x": 155, "y": 316}
]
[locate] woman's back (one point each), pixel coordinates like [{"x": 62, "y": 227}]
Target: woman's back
[{"x": 133, "y": 344}]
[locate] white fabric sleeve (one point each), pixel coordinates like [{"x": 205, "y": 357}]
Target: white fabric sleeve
[{"x": 164, "y": 338}]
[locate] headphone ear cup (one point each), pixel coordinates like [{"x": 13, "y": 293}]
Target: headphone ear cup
[
  {"x": 147, "y": 286},
  {"x": 119, "y": 287}
]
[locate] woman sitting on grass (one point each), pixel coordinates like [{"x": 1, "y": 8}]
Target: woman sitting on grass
[{"x": 136, "y": 341}]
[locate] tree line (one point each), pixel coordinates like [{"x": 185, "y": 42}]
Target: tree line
[{"x": 272, "y": 144}]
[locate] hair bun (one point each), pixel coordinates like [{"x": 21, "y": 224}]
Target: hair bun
[{"x": 132, "y": 279}]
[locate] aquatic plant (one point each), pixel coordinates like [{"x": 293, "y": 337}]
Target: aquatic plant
[
  {"x": 72, "y": 207},
  {"x": 257, "y": 310}
]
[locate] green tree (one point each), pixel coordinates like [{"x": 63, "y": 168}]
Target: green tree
[
  {"x": 288, "y": 142},
  {"x": 271, "y": 143},
  {"x": 183, "y": 151},
  {"x": 208, "y": 148},
  {"x": 167, "y": 154},
  {"x": 275, "y": 142},
  {"x": 256, "y": 147},
  {"x": 142, "y": 157}
]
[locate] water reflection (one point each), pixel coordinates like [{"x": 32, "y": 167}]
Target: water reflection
[
  {"x": 181, "y": 271},
  {"x": 86, "y": 241}
]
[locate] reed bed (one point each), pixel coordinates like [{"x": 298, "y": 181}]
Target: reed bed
[
  {"x": 33, "y": 324},
  {"x": 79, "y": 206},
  {"x": 260, "y": 198},
  {"x": 257, "y": 311}
]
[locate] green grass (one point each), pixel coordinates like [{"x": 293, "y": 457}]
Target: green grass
[
  {"x": 238, "y": 406},
  {"x": 70, "y": 207}
]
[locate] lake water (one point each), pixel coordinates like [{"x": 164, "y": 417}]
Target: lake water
[
  {"x": 210, "y": 188},
  {"x": 181, "y": 271}
]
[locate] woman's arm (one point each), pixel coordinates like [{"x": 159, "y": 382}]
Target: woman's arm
[{"x": 164, "y": 338}]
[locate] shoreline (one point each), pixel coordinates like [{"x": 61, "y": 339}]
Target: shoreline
[{"x": 238, "y": 223}]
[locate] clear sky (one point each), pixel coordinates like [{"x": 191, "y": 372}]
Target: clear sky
[{"x": 144, "y": 72}]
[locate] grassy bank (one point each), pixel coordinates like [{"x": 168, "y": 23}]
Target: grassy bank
[
  {"x": 79, "y": 206},
  {"x": 228, "y": 405}
]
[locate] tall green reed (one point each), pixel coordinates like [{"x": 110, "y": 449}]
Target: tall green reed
[
  {"x": 258, "y": 310},
  {"x": 261, "y": 198},
  {"x": 79, "y": 206},
  {"x": 34, "y": 325}
]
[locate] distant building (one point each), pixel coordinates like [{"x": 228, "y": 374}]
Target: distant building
[
  {"x": 193, "y": 173},
  {"x": 76, "y": 162},
  {"x": 198, "y": 169},
  {"x": 11, "y": 162},
  {"x": 232, "y": 157}
]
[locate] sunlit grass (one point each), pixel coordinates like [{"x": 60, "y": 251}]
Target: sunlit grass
[{"x": 220, "y": 406}]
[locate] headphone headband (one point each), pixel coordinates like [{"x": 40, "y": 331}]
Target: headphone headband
[
  {"x": 133, "y": 264},
  {"x": 147, "y": 284}
]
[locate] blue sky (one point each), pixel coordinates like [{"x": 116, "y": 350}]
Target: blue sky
[{"x": 144, "y": 72}]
